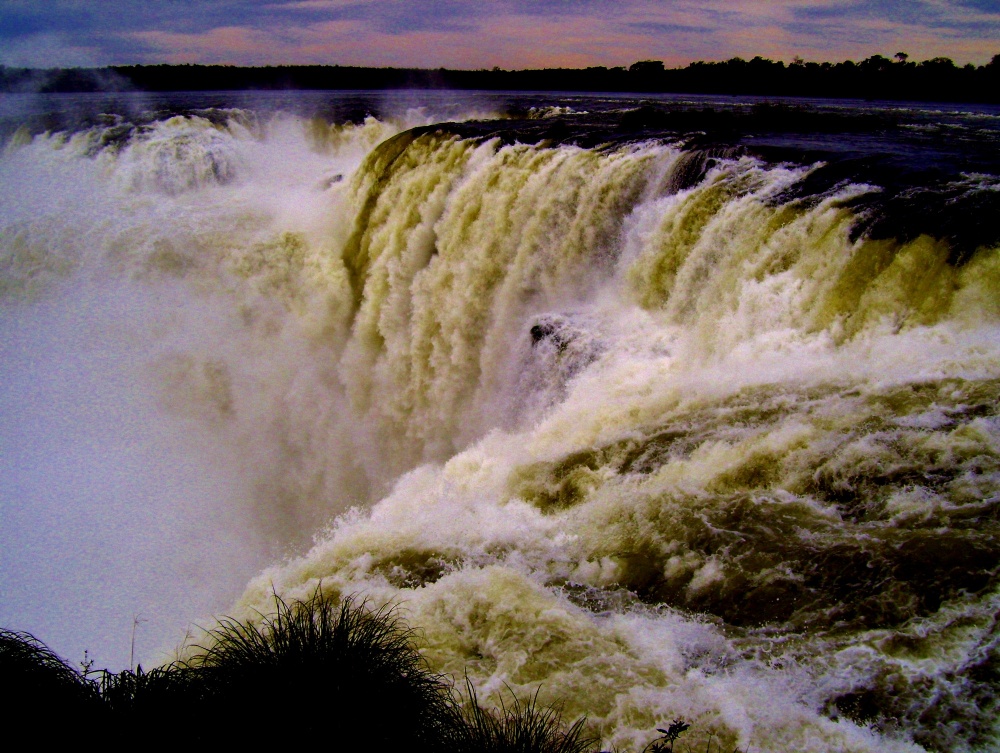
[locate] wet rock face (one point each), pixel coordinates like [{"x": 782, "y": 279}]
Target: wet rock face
[
  {"x": 553, "y": 329},
  {"x": 567, "y": 341},
  {"x": 559, "y": 329},
  {"x": 559, "y": 347}
]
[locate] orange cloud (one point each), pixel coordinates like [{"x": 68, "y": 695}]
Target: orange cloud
[
  {"x": 228, "y": 44},
  {"x": 677, "y": 34}
]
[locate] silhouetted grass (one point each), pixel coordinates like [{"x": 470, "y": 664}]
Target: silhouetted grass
[
  {"x": 521, "y": 727},
  {"x": 34, "y": 682},
  {"x": 313, "y": 673},
  {"x": 318, "y": 671},
  {"x": 165, "y": 698}
]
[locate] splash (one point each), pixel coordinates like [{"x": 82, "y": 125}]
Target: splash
[{"x": 654, "y": 430}]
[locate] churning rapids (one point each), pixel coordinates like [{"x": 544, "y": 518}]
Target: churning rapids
[{"x": 669, "y": 408}]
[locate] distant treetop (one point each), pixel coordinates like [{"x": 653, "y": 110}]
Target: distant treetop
[{"x": 876, "y": 77}]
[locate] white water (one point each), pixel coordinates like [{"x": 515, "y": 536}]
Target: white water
[
  {"x": 124, "y": 493},
  {"x": 214, "y": 348}
]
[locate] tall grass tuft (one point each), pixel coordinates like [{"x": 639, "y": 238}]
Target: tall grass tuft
[
  {"x": 164, "y": 698},
  {"x": 34, "y": 683},
  {"x": 316, "y": 671},
  {"x": 520, "y": 727}
]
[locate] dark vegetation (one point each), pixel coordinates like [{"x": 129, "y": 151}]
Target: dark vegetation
[
  {"x": 876, "y": 77},
  {"x": 314, "y": 672},
  {"x": 521, "y": 727},
  {"x": 36, "y": 687},
  {"x": 665, "y": 743}
]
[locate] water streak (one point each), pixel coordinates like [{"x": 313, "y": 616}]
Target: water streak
[{"x": 654, "y": 429}]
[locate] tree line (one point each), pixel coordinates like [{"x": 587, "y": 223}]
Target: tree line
[{"x": 877, "y": 77}]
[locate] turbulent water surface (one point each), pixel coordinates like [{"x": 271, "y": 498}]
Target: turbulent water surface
[{"x": 669, "y": 408}]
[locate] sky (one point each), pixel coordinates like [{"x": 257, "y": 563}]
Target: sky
[{"x": 474, "y": 34}]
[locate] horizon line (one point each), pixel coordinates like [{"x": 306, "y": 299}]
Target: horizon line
[{"x": 796, "y": 60}]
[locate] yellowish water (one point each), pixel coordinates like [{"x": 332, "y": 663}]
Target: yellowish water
[{"x": 657, "y": 454}]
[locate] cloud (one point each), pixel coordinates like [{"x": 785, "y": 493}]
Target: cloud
[
  {"x": 311, "y": 5},
  {"x": 523, "y": 41},
  {"x": 41, "y": 50},
  {"x": 920, "y": 14},
  {"x": 226, "y": 44},
  {"x": 508, "y": 33},
  {"x": 668, "y": 28}
]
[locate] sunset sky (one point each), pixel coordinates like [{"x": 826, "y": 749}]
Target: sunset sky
[{"x": 487, "y": 33}]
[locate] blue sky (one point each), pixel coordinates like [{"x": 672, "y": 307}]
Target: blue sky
[{"x": 483, "y": 33}]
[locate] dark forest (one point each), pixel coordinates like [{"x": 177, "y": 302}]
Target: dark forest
[{"x": 875, "y": 78}]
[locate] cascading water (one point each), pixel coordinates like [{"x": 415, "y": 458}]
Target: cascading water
[{"x": 645, "y": 424}]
